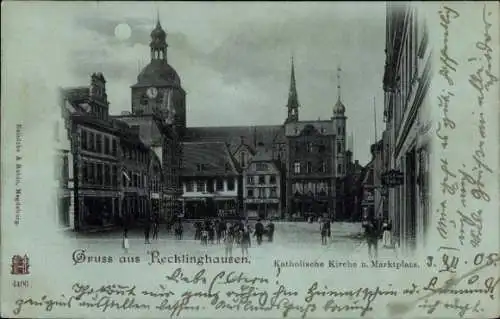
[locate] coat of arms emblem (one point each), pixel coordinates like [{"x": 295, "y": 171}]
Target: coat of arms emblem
[{"x": 20, "y": 265}]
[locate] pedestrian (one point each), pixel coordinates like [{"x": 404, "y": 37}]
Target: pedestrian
[
  {"x": 245, "y": 241},
  {"x": 211, "y": 232},
  {"x": 156, "y": 227},
  {"x": 197, "y": 230},
  {"x": 221, "y": 227},
  {"x": 204, "y": 236},
  {"x": 179, "y": 230},
  {"x": 386, "y": 237},
  {"x": 228, "y": 237},
  {"x": 125, "y": 243},
  {"x": 147, "y": 229},
  {"x": 270, "y": 231},
  {"x": 324, "y": 233},
  {"x": 372, "y": 237},
  {"x": 259, "y": 231}
]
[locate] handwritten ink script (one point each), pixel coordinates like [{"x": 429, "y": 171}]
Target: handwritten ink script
[
  {"x": 460, "y": 211},
  {"x": 462, "y": 179},
  {"x": 181, "y": 292}
]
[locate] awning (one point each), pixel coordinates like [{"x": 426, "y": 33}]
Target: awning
[{"x": 194, "y": 199}]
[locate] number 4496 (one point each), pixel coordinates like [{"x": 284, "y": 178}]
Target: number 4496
[{"x": 20, "y": 283}]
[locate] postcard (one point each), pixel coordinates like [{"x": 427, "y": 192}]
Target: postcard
[{"x": 250, "y": 160}]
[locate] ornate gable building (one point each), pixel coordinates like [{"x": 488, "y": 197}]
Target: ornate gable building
[{"x": 316, "y": 159}]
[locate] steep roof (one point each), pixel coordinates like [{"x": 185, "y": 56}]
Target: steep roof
[
  {"x": 323, "y": 127},
  {"x": 262, "y": 155},
  {"x": 213, "y": 156},
  {"x": 232, "y": 135}
]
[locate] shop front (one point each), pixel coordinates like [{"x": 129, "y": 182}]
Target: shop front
[
  {"x": 308, "y": 205},
  {"x": 98, "y": 208},
  {"x": 226, "y": 207},
  {"x": 263, "y": 208},
  {"x": 198, "y": 207}
]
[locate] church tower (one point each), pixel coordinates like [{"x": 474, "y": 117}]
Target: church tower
[
  {"x": 339, "y": 122},
  {"x": 293, "y": 99},
  {"x": 158, "y": 89}
]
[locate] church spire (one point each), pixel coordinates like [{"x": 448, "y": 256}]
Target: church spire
[{"x": 293, "y": 99}]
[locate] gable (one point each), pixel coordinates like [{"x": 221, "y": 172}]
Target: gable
[
  {"x": 207, "y": 159},
  {"x": 243, "y": 156}
]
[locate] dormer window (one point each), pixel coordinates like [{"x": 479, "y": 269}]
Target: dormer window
[
  {"x": 261, "y": 167},
  {"x": 200, "y": 167},
  {"x": 243, "y": 159}
]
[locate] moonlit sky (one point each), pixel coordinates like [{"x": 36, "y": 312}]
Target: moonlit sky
[{"x": 233, "y": 58}]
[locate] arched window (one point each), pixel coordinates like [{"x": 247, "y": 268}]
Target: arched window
[{"x": 144, "y": 100}]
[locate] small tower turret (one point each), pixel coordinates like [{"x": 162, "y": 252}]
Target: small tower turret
[
  {"x": 158, "y": 42},
  {"x": 339, "y": 122}
]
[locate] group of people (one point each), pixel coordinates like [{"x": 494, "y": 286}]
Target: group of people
[
  {"x": 231, "y": 233},
  {"x": 209, "y": 231},
  {"x": 374, "y": 231}
]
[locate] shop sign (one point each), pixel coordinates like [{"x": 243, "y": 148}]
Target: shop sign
[{"x": 393, "y": 178}]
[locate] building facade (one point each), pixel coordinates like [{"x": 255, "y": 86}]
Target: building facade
[
  {"x": 134, "y": 177},
  {"x": 316, "y": 160},
  {"x": 406, "y": 82},
  {"x": 113, "y": 178},
  {"x": 375, "y": 192},
  {"x": 350, "y": 188},
  {"x": 96, "y": 157},
  {"x": 211, "y": 181},
  {"x": 262, "y": 186},
  {"x": 63, "y": 170},
  {"x": 156, "y": 186}
]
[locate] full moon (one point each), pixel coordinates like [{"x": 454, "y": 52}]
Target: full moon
[{"x": 123, "y": 31}]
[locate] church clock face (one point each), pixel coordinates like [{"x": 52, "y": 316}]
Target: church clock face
[{"x": 152, "y": 92}]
